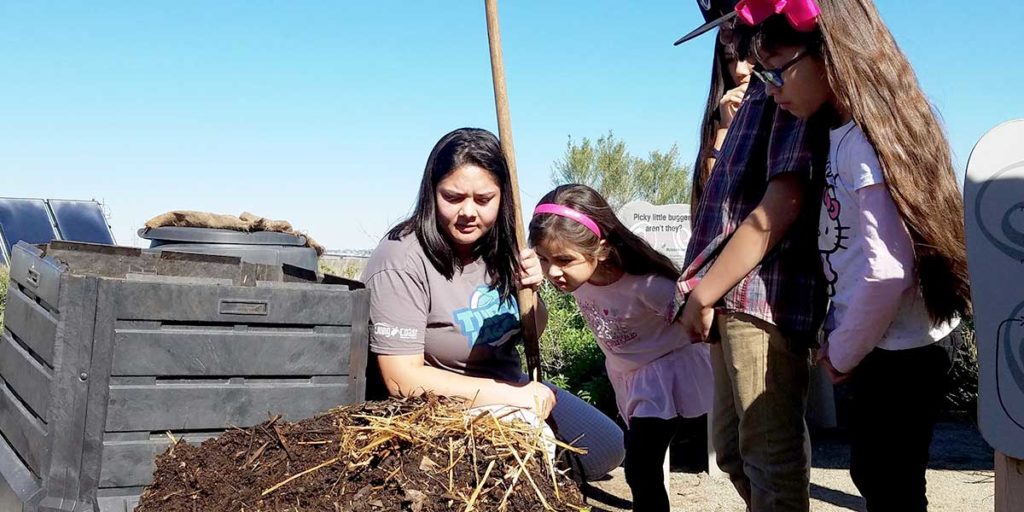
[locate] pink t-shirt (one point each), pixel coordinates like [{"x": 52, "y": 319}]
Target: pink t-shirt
[{"x": 654, "y": 368}]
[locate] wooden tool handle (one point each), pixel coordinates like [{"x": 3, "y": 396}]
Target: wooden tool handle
[{"x": 527, "y": 298}]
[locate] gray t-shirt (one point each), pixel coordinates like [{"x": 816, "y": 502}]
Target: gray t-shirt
[{"x": 459, "y": 325}]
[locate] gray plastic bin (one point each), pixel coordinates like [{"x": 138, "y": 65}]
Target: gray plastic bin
[
  {"x": 105, "y": 349},
  {"x": 267, "y": 247}
]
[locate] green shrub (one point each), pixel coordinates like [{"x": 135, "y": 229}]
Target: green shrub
[
  {"x": 962, "y": 396},
  {"x": 570, "y": 357}
]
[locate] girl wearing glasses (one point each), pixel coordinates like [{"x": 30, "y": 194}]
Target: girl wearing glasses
[{"x": 891, "y": 235}]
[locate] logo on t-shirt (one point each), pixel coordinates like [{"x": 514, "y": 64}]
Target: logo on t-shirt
[
  {"x": 488, "y": 320},
  {"x": 390, "y": 331}
]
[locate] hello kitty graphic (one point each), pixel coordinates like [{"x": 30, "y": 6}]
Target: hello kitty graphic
[{"x": 831, "y": 232}]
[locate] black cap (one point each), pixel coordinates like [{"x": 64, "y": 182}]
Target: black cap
[{"x": 715, "y": 13}]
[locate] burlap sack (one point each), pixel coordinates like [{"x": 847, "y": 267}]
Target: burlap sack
[{"x": 246, "y": 222}]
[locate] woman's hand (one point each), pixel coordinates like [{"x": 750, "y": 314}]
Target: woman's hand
[
  {"x": 531, "y": 274},
  {"x": 410, "y": 376},
  {"x": 537, "y": 397},
  {"x": 730, "y": 103},
  {"x": 697, "y": 320}
]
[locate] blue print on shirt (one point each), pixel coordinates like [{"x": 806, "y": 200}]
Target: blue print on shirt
[{"x": 488, "y": 320}]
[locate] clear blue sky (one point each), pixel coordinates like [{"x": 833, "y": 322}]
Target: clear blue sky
[{"x": 323, "y": 112}]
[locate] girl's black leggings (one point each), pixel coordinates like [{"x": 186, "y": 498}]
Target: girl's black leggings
[
  {"x": 896, "y": 399},
  {"x": 647, "y": 440}
]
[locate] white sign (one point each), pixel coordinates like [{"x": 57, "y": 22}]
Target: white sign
[
  {"x": 665, "y": 227},
  {"x": 994, "y": 211}
]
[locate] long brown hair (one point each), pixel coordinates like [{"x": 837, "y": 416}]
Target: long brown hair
[
  {"x": 466, "y": 146},
  {"x": 873, "y": 80},
  {"x": 625, "y": 250},
  {"x": 721, "y": 80}
]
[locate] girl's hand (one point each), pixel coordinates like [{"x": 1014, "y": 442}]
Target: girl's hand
[
  {"x": 836, "y": 376},
  {"x": 531, "y": 274},
  {"x": 697, "y": 320},
  {"x": 730, "y": 104},
  {"x": 537, "y": 397}
]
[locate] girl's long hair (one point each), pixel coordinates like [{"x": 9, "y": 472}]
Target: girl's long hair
[
  {"x": 873, "y": 80},
  {"x": 497, "y": 248},
  {"x": 721, "y": 81},
  {"x": 625, "y": 250}
]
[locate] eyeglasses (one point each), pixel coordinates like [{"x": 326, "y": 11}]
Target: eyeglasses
[{"x": 774, "y": 76}]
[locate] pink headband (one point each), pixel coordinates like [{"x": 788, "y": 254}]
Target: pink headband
[
  {"x": 801, "y": 14},
  {"x": 565, "y": 211}
]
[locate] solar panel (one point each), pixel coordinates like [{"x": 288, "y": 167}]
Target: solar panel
[
  {"x": 25, "y": 219},
  {"x": 81, "y": 221}
]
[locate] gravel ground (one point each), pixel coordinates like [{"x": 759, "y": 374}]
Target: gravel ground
[{"x": 960, "y": 478}]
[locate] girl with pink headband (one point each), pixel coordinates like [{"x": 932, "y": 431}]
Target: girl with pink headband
[{"x": 625, "y": 290}]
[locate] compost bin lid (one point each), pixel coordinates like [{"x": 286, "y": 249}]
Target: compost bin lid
[{"x": 220, "y": 236}]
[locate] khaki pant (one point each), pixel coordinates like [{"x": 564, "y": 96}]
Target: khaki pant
[{"x": 758, "y": 427}]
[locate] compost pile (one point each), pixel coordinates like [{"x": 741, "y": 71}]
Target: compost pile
[{"x": 423, "y": 455}]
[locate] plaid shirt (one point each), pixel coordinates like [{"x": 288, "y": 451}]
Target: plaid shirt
[{"x": 786, "y": 288}]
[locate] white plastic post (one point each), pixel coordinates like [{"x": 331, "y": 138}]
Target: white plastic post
[
  {"x": 713, "y": 469},
  {"x": 667, "y": 471}
]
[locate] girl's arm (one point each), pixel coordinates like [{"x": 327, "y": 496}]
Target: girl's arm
[
  {"x": 875, "y": 298},
  {"x": 728, "y": 105},
  {"x": 758, "y": 234},
  {"x": 408, "y": 375},
  {"x": 720, "y": 134}
]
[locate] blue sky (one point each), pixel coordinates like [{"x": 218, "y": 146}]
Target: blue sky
[{"x": 323, "y": 112}]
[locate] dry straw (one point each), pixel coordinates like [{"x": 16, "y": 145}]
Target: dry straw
[{"x": 463, "y": 460}]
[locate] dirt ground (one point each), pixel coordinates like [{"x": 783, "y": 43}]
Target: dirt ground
[{"x": 960, "y": 478}]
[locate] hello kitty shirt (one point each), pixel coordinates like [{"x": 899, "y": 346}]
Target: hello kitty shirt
[
  {"x": 654, "y": 368},
  {"x": 868, "y": 259}
]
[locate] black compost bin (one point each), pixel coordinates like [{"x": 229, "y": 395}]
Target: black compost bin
[{"x": 105, "y": 350}]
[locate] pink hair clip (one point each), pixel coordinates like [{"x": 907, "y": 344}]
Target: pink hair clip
[
  {"x": 565, "y": 211},
  {"x": 801, "y": 14}
]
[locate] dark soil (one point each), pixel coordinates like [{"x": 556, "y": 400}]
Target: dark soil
[{"x": 417, "y": 455}]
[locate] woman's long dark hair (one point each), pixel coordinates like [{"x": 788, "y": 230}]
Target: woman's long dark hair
[
  {"x": 497, "y": 248},
  {"x": 721, "y": 81},
  {"x": 624, "y": 249},
  {"x": 873, "y": 80}
]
